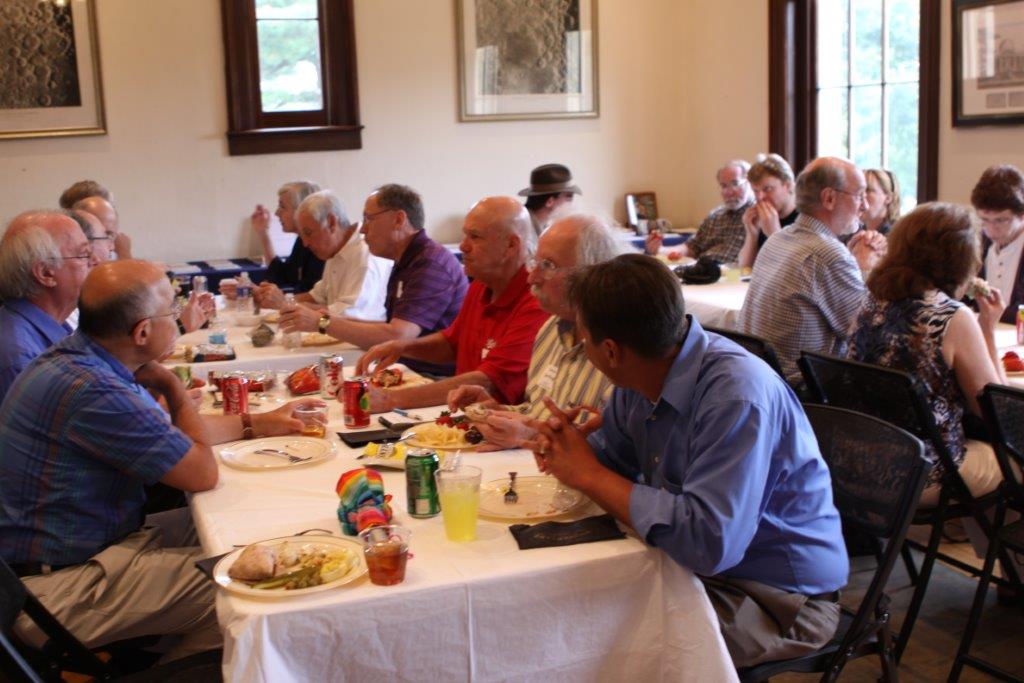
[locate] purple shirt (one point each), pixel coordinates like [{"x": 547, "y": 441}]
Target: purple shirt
[{"x": 426, "y": 288}]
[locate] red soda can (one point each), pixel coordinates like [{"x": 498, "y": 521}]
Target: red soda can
[
  {"x": 213, "y": 378},
  {"x": 331, "y": 367},
  {"x": 356, "y": 397},
  {"x": 236, "y": 394}
]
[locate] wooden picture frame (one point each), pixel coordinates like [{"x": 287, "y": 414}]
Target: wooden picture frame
[
  {"x": 50, "y": 83},
  {"x": 641, "y": 206},
  {"x": 515, "y": 64},
  {"x": 988, "y": 85}
]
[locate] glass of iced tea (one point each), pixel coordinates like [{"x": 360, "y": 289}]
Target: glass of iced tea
[
  {"x": 314, "y": 420},
  {"x": 387, "y": 550}
]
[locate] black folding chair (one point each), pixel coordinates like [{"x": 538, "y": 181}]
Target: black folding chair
[
  {"x": 897, "y": 397},
  {"x": 1003, "y": 408},
  {"x": 64, "y": 652},
  {"x": 755, "y": 345},
  {"x": 878, "y": 471}
]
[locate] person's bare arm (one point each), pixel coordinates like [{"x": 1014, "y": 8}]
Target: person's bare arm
[
  {"x": 972, "y": 355},
  {"x": 433, "y": 394},
  {"x": 260, "y": 220},
  {"x": 362, "y": 333},
  {"x": 433, "y": 348},
  {"x": 748, "y": 252}
]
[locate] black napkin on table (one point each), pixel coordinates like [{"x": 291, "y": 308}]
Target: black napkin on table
[
  {"x": 206, "y": 566},
  {"x": 552, "y": 534}
]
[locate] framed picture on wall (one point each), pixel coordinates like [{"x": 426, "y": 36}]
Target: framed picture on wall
[
  {"x": 641, "y": 206},
  {"x": 988, "y": 62},
  {"x": 538, "y": 62},
  {"x": 50, "y": 70}
]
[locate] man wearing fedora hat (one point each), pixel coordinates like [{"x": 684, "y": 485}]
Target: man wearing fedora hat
[{"x": 550, "y": 187}]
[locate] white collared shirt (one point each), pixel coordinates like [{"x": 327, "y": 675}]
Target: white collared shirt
[
  {"x": 1001, "y": 266},
  {"x": 354, "y": 282}
]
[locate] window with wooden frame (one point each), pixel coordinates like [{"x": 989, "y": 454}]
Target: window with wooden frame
[
  {"x": 857, "y": 78},
  {"x": 291, "y": 76}
]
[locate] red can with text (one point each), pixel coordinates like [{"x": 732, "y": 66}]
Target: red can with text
[
  {"x": 356, "y": 397},
  {"x": 330, "y": 370},
  {"x": 236, "y": 395}
]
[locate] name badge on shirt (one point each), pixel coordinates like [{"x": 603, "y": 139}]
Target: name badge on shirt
[
  {"x": 547, "y": 379},
  {"x": 398, "y": 290},
  {"x": 487, "y": 348}
]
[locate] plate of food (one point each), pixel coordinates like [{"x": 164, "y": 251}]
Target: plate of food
[
  {"x": 287, "y": 567},
  {"x": 538, "y": 498},
  {"x": 276, "y": 452},
  {"x": 1012, "y": 364},
  {"x": 318, "y": 339},
  {"x": 447, "y": 433},
  {"x": 393, "y": 376}
]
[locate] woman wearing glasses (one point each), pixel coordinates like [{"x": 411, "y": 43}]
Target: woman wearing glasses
[{"x": 998, "y": 199}]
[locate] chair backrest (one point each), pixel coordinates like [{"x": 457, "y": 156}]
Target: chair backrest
[
  {"x": 62, "y": 650},
  {"x": 1003, "y": 408},
  {"x": 755, "y": 345},
  {"x": 878, "y": 471},
  {"x": 890, "y": 395}
]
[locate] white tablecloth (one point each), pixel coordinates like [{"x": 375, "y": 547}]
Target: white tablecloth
[
  {"x": 484, "y": 610},
  {"x": 716, "y": 305},
  {"x": 248, "y": 357}
]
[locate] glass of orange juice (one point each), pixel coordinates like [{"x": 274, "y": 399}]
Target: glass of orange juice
[
  {"x": 459, "y": 493},
  {"x": 314, "y": 420}
]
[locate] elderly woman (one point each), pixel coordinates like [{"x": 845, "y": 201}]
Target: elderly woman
[
  {"x": 773, "y": 183},
  {"x": 913, "y": 321}
]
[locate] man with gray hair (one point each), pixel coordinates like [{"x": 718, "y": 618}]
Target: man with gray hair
[
  {"x": 425, "y": 289},
  {"x": 807, "y": 287},
  {"x": 44, "y": 258},
  {"x": 491, "y": 338},
  {"x": 302, "y": 269},
  {"x": 354, "y": 281},
  {"x": 559, "y": 368},
  {"x": 105, "y": 211},
  {"x": 720, "y": 235}
]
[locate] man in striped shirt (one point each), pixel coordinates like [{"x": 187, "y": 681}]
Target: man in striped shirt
[
  {"x": 807, "y": 286},
  {"x": 558, "y": 367}
]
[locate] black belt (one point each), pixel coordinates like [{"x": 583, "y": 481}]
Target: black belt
[
  {"x": 830, "y": 597},
  {"x": 23, "y": 569}
]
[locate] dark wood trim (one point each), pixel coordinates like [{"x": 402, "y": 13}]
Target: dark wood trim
[
  {"x": 336, "y": 126},
  {"x": 928, "y": 105},
  {"x": 792, "y": 108}
]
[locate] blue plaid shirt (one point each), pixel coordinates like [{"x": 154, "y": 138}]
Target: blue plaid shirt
[
  {"x": 79, "y": 438},
  {"x": 27, "y": 332}
]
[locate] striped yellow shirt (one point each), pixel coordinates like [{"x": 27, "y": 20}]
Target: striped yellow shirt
[{"x": 559, "y": 368}]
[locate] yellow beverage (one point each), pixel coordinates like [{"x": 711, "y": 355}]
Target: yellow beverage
[{"x": 459, "y": 502}]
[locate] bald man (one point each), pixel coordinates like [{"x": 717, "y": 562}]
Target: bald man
[
  {"x": 492, "y": 336},
  {"x": 105, "y": 211},
  {"x": 44, "y": 258},
  {"x": 81, "y": 435}
]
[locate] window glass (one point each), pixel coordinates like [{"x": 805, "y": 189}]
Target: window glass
[
  {"x": 833, "y": 30},
  {"x": 866, "y": 41},
  {"x": 833, "y": 123},
  {"x": 901, "y": 106},
  {"x": 288, "y": 36},
  {"x": 865, "y": 126}
]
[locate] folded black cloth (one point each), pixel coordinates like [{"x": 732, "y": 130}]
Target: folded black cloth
[
  {"x": 551, "y": 534},
  {"x": 705, "y": 271},
  {"x": 206, "y": 566}
]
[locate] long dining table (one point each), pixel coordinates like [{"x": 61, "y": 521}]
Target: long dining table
[{"x": 482, "y": 610}]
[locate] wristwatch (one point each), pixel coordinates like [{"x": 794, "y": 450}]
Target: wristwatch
[
  {"x": 323, "y": 323},
  {"x": 247, "y": 431}
]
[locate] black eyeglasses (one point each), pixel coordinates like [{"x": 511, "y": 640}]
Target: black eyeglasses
[
  {"x": 107, "y": 236},
  {"x": 368, "y": 216}
]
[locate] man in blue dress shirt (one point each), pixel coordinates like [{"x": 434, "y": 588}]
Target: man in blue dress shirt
[
  {"x": 44, "y": 258},
  {"x": 708, "y": 455}
]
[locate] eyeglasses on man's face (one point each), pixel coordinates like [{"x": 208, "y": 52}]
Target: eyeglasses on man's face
[
  {"x": 733, "y": 185},
  {"x": 546, "y": 267},
  {"x": 858, "y": 196},
  {"x": 84, "y": 253},
  {"x": 175, "y": 312},
  {"x": 101, "y": 238},
  {"x": 367, "y": 217}
]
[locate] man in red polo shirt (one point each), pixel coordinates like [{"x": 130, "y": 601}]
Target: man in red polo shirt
[{"x": 492, "y": 337}]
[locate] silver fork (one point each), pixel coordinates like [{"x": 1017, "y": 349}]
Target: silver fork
[
  {"x": 511, "y": 497},
  {"x": 283, "y": 454}
]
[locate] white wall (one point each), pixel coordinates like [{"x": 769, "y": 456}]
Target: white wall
[{"x": 182, "y": 197}]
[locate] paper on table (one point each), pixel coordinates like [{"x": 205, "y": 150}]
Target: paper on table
[
  {"x": 223, "y": 265},
  {"x": 183, "y": 268}
]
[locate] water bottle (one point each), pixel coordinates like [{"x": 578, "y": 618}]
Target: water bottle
[
  {"x": 243, "y": 303},
  {"x": 290, "y": 340}
]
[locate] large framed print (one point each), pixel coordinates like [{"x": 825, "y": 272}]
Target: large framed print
[
  {"x": 49, "y": 69},
  {"x": 988, "y": 62},
  {"x": 527, "y": 59}
]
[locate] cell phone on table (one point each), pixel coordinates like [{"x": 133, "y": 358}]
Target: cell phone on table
[{"x": 360, "y": 439}]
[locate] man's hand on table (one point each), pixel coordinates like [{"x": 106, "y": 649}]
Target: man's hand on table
[
  {"x": 382, "y": 354},
  {"x": 381, "y": 400},
  {"x": 505, "y": 429},
  {"x": 468, "y": 394},
  {"x": 268, "y": 295},
  {"x": 561, "y": 448},
  {"x": 281, "y": 421},
  {"x": 300, "y": 319}
]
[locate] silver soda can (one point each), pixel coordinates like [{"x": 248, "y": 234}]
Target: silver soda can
[
  {"x": 199, "y": 285},
  {"x": 331, "y": 371}
]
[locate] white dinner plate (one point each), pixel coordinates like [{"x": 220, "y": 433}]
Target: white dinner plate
[
  {"x": 415, "y": 441},
  {"x": 267, "y": 402},
  {"x": 220, "y": 570},
  {"x": 242, "y": 455},
  {"x": 539, "y": 498}
]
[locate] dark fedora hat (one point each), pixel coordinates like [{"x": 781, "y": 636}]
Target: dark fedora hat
[{"x": 549, "y": 179}]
